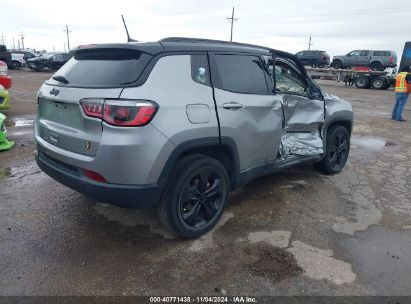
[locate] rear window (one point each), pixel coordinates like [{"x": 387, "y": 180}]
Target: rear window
[{"x": 104, "y": 67}]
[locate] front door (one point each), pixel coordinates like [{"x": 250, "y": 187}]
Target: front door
[
  {"x": 248, "y": 110},
  {"x": 303, "y": 109}
]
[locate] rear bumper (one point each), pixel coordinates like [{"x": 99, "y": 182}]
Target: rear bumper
[{"x": 134, "y": 197}]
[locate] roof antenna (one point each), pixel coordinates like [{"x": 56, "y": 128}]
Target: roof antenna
[{"x": 128, "y": 36}]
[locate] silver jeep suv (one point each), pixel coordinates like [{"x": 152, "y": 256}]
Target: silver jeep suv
[{"x": 177, "y": 124}]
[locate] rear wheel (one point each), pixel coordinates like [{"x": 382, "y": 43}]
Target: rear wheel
[
  {"x": 362, "y": 82},
  {"x": 379, "y": 83},
  {"x": 337, "y": 64},
  {"x": 195, "y": 197},
  {"x": 377, "y": 66},
  {"x": 15, "y": 65},
  {"x": 336, "y": 151}
]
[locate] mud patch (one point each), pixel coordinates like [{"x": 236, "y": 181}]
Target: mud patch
[
  {"x": 207, "y": 240},
  {"x": 271, "y": 263},
  {"x": 132, "y": 218}
]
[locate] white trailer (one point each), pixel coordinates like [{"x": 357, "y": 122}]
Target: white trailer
[{"x": 361, "y": 77}]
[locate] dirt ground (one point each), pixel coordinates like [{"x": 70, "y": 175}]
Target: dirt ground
[{"x": 293, "y": 233}]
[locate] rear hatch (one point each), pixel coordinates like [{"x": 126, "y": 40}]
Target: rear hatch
[{"x": 92, "y": 74}]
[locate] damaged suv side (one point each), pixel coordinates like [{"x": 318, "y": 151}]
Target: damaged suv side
[{"x": 178, "y": 124}]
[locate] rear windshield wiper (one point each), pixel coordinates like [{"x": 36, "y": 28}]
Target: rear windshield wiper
[{"x": 60, "y": 79}]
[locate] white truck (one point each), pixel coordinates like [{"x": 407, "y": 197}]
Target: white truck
[{"x": 17, "y": 61}]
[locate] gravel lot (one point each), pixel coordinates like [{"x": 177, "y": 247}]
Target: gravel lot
[{"x": 293, "y": 233}]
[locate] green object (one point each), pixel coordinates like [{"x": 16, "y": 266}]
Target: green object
[
  {"x": 4, "y": 99},
  {"x": 4, "y": 143}
]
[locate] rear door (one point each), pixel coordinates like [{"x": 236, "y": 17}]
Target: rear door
[
  {"x": 364, "y": 58},
  {"x": 303, "y": 109},
  {"x": 92, "y": 74},
  {"x": 249, "y": 113}
]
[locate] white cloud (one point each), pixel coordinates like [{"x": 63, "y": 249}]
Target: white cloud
[{"x": 336, "y": 27}]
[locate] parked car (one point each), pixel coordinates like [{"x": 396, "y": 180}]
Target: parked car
[
  {"x": 5, "y": 84},
  {"x": 178, "y": 124},
  {"x": 5, "y": 55},
  {"x": 51, "y": 61},
  {"x": 17, "y": 61},
  {"x": 376, "y": 60},
  {"x": 314, "y": 58},
  {"x": 26, "y": 54}
]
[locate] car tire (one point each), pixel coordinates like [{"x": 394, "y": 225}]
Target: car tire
[
  {"x": 336, "y": 151},
  {"x": 15, "y": 65},
  {"x": 188, "y": 205},
  {"x": 376, "y": 66},
  {"x": 337, "y": 64},
  {"x": 362, "y": 82},
  {"x": 379, "y": 83}
]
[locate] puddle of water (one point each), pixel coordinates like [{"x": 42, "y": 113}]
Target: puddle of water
[
  {"x": 19, "y": 123},
  {"x": 369, "y": 142},
  {"x": 5, "y": 173}
]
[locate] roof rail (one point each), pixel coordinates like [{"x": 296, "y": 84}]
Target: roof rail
[{"x": 202, "y": 40}]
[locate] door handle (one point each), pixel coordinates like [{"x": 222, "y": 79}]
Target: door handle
[{"x": 233, "y": 106}]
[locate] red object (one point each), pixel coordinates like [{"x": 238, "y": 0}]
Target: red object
[
  {"x": 6, "y": 81},
  {"x": 123, "y": 113},
  {"x": 95, "y": 176},
  {"x": 361, "y": 69},
  {"x": 391, "y": 59},
  {"x": 93, "y": 109}
]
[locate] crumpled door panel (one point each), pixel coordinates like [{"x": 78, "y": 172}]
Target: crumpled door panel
[{"x": 302, "y": 133}]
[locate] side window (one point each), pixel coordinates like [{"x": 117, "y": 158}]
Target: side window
[
  {"x": 376, "y": 53},
  {"x": 364, "y": 53},
  {"x": 354, "y": 53},
  {"x": 242, "y": 74},
  {"x": 200, "y": 71},
  {"x": 299, "y": 54},
  {"x": 288, "y": 78}
]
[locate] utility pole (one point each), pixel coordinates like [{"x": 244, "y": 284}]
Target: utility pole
[
  {"x": 309, "y": 44},
  {"x": 68, "y": 38},
  {"x": 232, "y": 20},
  {"x": 22, "y": 39}
]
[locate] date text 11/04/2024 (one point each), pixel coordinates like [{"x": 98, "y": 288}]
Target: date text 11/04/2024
[{"x": 203, "y": 299}]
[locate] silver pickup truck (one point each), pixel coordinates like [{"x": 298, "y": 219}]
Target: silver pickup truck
[{"x": 376, "y": 60}]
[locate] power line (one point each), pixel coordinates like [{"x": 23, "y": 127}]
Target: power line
[
  {"x": 309, "y": 44},
  {"x": 22, "y": 39},
  {"x": 232, "y": 20},
  {"x": 68, "y": 38}
]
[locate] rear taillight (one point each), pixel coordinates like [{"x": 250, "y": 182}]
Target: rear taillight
[
  {"x": 391, "y": 59},
  {"x": 120, "y": 112},
  {"x": 93, "y": 108}
]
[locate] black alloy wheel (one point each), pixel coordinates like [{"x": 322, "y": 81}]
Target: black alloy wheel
[
  {"x": 201, "y": 197},
  {"x": 336, "y": 151},
  {"x": 195, "y": 196}
]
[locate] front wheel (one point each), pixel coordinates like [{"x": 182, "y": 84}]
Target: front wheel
[
  {"x": 336, "y": 151},
  {"x": 195, "y": 197}
]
